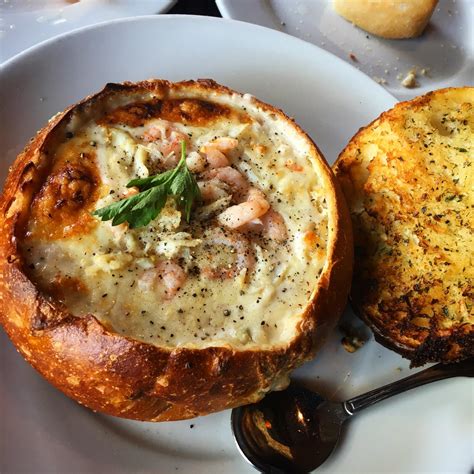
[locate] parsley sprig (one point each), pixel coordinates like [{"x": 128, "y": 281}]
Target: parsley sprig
[{"x": 139, "y": 210}]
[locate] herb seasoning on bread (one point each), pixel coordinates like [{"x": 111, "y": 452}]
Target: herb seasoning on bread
[{"x": 409, "y": 181}]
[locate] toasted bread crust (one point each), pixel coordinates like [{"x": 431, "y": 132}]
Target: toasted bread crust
[
  {"x": 119, "y": 375},
  {"x": 408, "y": 183}
]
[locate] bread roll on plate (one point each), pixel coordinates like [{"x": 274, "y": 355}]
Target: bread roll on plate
[{"x": 392, "y": 19}]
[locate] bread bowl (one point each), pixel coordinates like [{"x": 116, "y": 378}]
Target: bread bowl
[
  {"x": 409, "y": 182},
  {"x": 164, "y": 321}
]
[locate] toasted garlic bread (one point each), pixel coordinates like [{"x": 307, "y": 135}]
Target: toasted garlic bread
[
  {"x": 171, "y": 314},
  {"x": 409, "y": 180}
]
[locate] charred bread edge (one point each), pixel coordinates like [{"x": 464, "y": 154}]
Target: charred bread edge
[
  {"x": 432, "y": 349},
  {"x": 124, "y": 377}
]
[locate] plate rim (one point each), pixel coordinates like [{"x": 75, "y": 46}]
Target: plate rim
[
  {"x": 79, "y": 9},
  {"x": 177, "y": 17},
  {"x": 400, "y": 93}
]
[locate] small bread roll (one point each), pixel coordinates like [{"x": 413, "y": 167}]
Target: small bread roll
[{"x": 393, "y": 19}]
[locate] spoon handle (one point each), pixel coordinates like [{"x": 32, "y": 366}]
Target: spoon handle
[{"x": 432, "y": 374}]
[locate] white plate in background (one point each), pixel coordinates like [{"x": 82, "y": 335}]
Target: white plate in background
[
  {"x": 24, "y": 23},
  {"x": 42, "y": 431},
  {"x": 445, "y": 51}
]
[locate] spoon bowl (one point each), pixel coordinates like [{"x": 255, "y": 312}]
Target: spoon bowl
[
  {"x": 292, "y": 431},
  {"x": 296, "y": 430}
]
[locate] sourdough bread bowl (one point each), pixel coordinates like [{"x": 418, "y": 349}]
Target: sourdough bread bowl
[
  {"x": 408, "y": 179},
  {"x": 171, "y": 314}
]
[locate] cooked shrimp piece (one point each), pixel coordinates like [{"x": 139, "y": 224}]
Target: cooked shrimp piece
[
  {"x": 196, "y": 162},
  {"x": 223, "y": 144},
  {"x": 172, "y": 145},
  {"x": 216, "y": 158},
  {"x": 244, "y": 256},
  {"x": 167, "y": 139},
  {"x": 167, "y": 273},
  {"x": 230, "y": 176},
  {"x": 171, "y": 275},
  {"x": 212, "y": 190},
  {"x": 253, "y": 226},
  {"x": 252, "y": 208},
  {"x": 155, "y": 132},
  {"x": 273, "y": 226}
]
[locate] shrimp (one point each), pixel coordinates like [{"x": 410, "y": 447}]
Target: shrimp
[
  {"x": 216, "y": 150},
  {"x": 230, "y": 176},
  {"x": 245, "y": 258},
  {"x": 222, "y": 144},
  {"x": 173, "y": 144},
  {"x": 213, "y": 190},
  {"x": 155, "y": 133},
  {"x": 196, "y": 162},
  {"x": 170, "y": 274},
  {"x": 252, "y": 208},
  {"x": 216, "y": 159},
  {"x": 273, "y": 226},
  {"x": 254, "y": 225},
  {"x": 168, "y": 141}
]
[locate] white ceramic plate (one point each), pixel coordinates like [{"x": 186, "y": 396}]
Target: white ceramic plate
[
  {"x": 445, "y": 50},
  {"x": 43, "y": 431},
  {"x": 24, "y": 23}
]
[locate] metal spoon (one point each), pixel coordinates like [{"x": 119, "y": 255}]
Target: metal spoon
[{"x": 295, "y": 430}]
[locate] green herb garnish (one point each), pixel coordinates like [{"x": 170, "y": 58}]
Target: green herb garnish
[{"x": 139, "y": 210}]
